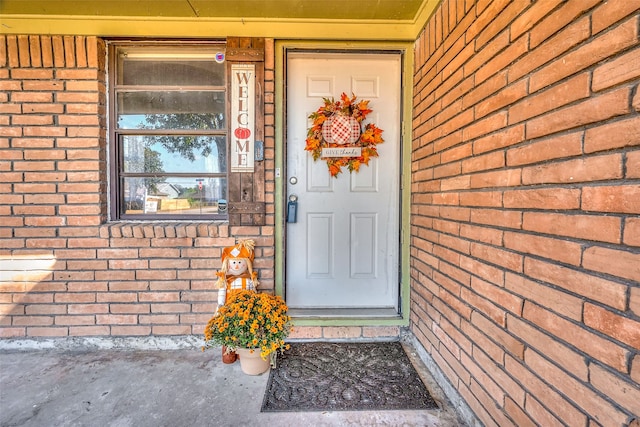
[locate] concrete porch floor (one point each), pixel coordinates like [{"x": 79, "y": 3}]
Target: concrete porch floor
[{"x": 84, "y": 383}]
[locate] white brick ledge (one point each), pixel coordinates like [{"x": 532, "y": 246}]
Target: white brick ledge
[
  {"x": 160, "y": 229},
  {"x": 177, "y": 342}
]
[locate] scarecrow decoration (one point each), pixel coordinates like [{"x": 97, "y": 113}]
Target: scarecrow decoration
[
  {"x": 236, "y": 273},
  {"x": 237, "y": 270}
]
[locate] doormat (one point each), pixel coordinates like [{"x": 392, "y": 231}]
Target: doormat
[{"x": 345, "y": 377}]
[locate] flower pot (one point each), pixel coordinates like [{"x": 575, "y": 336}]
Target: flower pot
[
  {"x": 251, "y": 362},
  {"x": 228, "y": 357}
]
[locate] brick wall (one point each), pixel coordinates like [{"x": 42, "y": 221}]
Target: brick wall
[
  {"x": 65, "y": 270},
  {"x": 525, "y": 209}
]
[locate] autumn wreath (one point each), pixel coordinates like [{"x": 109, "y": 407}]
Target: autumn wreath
[{"x": 338, "y": 125}]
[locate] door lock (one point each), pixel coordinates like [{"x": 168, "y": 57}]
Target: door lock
[{"x": 292, "y": 209}]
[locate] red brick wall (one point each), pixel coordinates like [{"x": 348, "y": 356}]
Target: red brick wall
[
  {"x": 525, "y": 209},
  {"x": 64, "y": 270}
]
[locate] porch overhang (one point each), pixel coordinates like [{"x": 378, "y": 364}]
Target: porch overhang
[{"x": 281, "y": 19}]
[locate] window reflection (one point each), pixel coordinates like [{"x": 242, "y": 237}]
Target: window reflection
[
  {"x": 171, "y": 110},
  {"x": 172, "y": 72},
  {"x": 173, "y": 195},
  {"x": 182, "y": 154}
]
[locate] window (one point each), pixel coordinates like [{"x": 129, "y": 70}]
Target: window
[{"x": 168, "y": 108}]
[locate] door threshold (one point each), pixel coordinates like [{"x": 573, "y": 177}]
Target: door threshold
[{"x": 344, "y": 313}]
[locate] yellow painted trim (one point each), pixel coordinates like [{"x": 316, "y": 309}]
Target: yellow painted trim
[
  {"x": 108, "y": 26},
  {"x": 424, "y": 14},
  {"x": 219, "y": 27},
  {"x": 407, "y": 87},
  {"x": 405, "y": 214}
]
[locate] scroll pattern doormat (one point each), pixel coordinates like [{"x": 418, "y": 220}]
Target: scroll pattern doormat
[{"x": 345, "y": 377}]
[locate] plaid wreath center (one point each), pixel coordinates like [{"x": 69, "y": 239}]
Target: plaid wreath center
[{"x": 341, "y": 130}]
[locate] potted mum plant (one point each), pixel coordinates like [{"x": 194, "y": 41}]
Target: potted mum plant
[{"x": 254, "y": 325}]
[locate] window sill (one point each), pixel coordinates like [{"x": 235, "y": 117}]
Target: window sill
[{"x": 160, "y": 229}]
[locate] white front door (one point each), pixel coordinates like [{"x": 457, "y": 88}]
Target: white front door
[{"x": 342, "y": 253}]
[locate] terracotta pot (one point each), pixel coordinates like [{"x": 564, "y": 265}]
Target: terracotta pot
[
  {"x": 251, "y": 362},
  {"x": 228, "y": 357}
]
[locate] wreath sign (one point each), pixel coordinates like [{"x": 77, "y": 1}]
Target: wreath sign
[{"x": 337, "y": 137}]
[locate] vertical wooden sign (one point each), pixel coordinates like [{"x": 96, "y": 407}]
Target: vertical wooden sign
[
  {"x": 246, "y": 61},
  {"x": 243, "y": 117}
]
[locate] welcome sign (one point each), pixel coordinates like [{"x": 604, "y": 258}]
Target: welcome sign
[{"x": 243, "y": 106}]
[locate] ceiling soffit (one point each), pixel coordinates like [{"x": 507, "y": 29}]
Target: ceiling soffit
[{"x": 327, "y": 19}]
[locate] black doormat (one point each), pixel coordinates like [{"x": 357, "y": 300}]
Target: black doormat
[{"x": 345, "y": 377}]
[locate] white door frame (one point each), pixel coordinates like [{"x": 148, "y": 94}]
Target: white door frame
[{"x": 281, "y": 50}]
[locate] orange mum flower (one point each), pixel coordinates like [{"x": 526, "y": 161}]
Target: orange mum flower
[{"x": 250, "y": 320}]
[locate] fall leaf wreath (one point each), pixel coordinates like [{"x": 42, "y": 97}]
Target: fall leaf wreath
[{"x": 338, "y": 124}]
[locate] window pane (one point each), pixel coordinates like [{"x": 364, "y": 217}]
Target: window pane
[
  {"x": 172, "y": 72},
  {"x": 171, "y": 110},
  {"x": 173, "y": 195},
  {"x": 169, "y": 100},
  {"x": 174, "y": 154}
]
